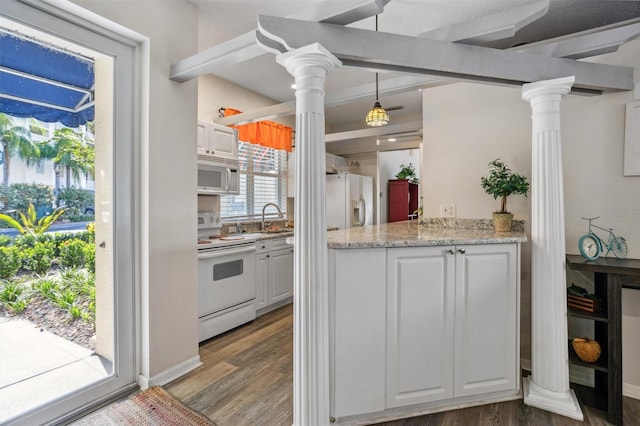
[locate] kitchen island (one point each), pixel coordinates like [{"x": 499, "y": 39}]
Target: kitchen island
[{"x": 423, "y": 319}]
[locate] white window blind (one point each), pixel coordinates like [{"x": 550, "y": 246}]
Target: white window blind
[{"x": 263, "y": 179}]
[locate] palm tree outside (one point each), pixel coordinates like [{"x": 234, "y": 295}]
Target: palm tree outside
[
  {"x": 15, "y": 140},
  {"x": 71, "y": 151}
]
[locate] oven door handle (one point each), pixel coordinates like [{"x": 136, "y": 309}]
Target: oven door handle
[{"x": 229, "y": 252}]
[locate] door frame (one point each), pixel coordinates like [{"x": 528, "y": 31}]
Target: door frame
[{"x": 68, "y": 21}]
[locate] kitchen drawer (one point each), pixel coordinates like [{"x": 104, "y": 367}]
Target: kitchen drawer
[
  {"x": 263, "y": 246},
  {"x": 267, "y": 245},
  {"x": 279, "y": 243}
]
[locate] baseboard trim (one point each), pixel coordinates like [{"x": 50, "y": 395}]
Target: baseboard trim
[
  {"x": 170, "y": 374},
  {"x": 583, "y": 376},
  {"x": 632, "y": 391}
]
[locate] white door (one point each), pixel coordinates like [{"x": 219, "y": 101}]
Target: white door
[
  {"x": 420, "y": 301},
  {"x": 115, "y": 149},
  {"x": 486, "y": 324},
  {"x": 281, "y": 274}
]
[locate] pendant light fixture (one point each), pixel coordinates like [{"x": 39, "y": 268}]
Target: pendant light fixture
[{"x": 377, "y": 116}]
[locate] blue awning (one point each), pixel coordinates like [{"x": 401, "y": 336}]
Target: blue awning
[{"x": 43, "y": 82}]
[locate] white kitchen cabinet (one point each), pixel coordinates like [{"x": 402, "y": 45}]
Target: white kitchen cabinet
[
  {"x": 217, "y": 140},
  {"x": 486, "y": 346},
  {"x": 452, "y": 322},
  {"x": 274, "y": 274},
  {"x": 280, "y": 275},
  {"x": 420, "y": 322},
  {"x": 357, "y": 279},
  {"x": 262, "y": 281}
]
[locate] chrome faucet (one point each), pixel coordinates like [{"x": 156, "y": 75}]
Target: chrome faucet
[{"x": 280, "y": 215}]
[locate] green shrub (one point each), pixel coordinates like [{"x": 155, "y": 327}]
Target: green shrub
[
  {"x": 5, "y": 240},
  {"x": 76, "y": 201},
  {"x": 12, "y": 295},
  {"x": 72, "y": 253},
  {"x": 80, "y": 217},
  {"x": 60, "y": 237},
  {"x": 9, "y": 261},
  {"x": 24, "y": 242},
  {"x": 89, "y": 252},
  {"x": 38, "y": 258},
  {"x": 17, "y": 196}
]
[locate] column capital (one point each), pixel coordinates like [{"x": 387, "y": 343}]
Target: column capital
[
  {"x": 557, "y": 86},
  {"x": 311, "y": 55}
]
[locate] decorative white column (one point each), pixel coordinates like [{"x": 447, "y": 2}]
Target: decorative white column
[
  {"x": 548, "y": 388},
  {"x": 310, "y": 65}
]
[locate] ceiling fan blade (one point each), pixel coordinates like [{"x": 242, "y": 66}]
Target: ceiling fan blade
[{"x": 394, "y": 108}]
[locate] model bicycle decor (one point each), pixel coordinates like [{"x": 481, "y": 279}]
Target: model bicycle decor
[{"x": 591, "y": 245}]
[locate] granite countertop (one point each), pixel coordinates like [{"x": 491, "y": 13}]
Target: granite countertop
[
  {"x": 412, "y": 234},
  {"x": 269, "y": 235}
]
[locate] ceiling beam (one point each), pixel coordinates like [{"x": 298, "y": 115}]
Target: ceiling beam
[
  {"x": 574, "y": 46},
  {"x": 391, "y": 129},
  {"x": 244, "y": 47},
  {"x": 496, "y": 26},
  {"x": 584, "y": 44},
  {"x": 377, "y": 50},
  {"x": 390, "y": 86}
]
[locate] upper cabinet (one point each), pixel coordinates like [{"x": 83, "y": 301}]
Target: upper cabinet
[{"x": 217, "y": 141}]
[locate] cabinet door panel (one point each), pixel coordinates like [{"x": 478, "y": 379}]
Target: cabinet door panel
[
  {"x": 358, "y": 300},
  {"x": 223, "y": 141},
  {"x": 486, "y": 319},
  {"x": 280, "y": 274},
  {"x": 203, "y": 137},
  {"x": 262, "y": 280},
  {"x": 419, "y": 325}
]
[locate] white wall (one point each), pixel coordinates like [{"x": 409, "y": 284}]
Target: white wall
[
  {"x": 467, "y": 125},
  {"x": 168, "y": 176},
  {"x": 215, "y": 92}
]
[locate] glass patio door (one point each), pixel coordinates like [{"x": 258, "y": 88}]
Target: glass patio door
[{"x": 115, "y": 234}]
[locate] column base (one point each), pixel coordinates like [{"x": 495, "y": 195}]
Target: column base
[{"x": 563, "y": 403}]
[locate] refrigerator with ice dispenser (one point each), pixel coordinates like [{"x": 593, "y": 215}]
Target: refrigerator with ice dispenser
[{"x": 349, "y": 200}]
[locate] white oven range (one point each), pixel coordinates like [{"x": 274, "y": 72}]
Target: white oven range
[{"x": 226, "y": 278}]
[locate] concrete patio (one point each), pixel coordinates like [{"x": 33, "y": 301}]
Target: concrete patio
[{"x": 37, "y": 366}]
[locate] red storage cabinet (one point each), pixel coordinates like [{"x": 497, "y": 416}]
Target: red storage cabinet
[{"x": 403, "y": 199}]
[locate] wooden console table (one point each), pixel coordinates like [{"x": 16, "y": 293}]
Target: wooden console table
[{"x": 610, "y": 276}]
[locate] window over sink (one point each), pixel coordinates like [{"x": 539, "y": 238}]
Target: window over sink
[{"x": 263, "y": 179}]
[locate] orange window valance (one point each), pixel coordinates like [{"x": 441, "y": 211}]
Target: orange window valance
[{"x": 265, "y": 133}]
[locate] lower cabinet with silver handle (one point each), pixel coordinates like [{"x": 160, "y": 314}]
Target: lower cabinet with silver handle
[{"x": 274, "y": 274}]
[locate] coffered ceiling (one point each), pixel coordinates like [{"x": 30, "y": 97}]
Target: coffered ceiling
[{"x": 525, "y": 25}]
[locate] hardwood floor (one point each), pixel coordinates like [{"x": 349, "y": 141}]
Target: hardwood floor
[
  {"x": 247, "y": 379},
  {"x": 247, "y": 376}
]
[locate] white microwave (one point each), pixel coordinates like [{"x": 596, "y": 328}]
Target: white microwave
[{"x": 218, "y": 178}]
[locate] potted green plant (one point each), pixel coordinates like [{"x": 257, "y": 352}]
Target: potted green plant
[
  {"x": 407, "y": 172},
  {"x": 502, "y": 182}
]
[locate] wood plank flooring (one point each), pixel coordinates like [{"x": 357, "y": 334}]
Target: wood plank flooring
[{"x": 247, "y": 379}]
